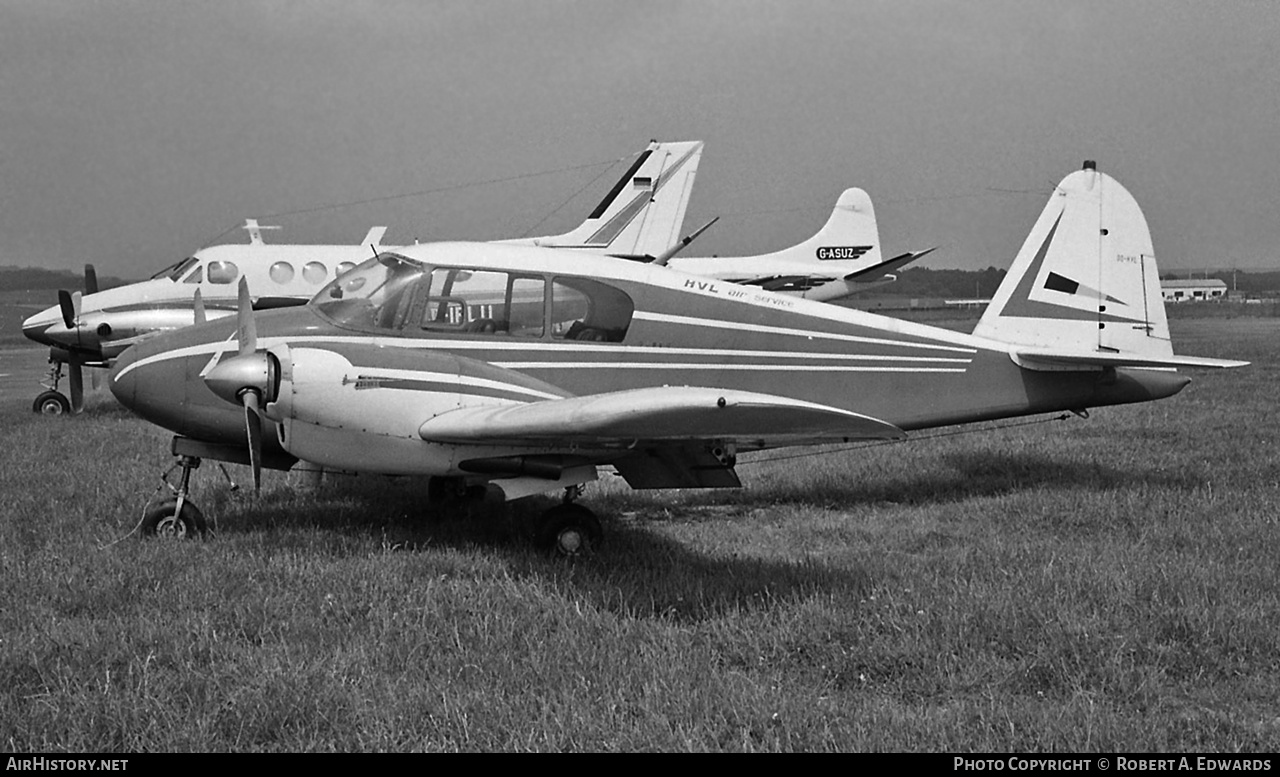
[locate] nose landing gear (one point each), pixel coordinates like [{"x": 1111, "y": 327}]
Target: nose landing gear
[{"x": 175, "y": 518}]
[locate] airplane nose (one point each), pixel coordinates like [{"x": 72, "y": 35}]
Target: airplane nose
[
  {"x": 48, "y": 328},
  {"x": 123, "y": 380},
  {"x": 38, "y": 327}
]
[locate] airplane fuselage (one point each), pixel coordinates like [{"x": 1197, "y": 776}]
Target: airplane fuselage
[
  {"x": 390, "y": 374},
  {"x": 113, "y": 319}
]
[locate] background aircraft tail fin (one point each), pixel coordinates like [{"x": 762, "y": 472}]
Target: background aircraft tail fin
[
  {"x": 642, "y": 214},
  {"x": 850, "y": 239},
  {"x": 1085, "y": 281}
]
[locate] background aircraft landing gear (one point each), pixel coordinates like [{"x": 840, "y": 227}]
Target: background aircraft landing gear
[
  {"x": 176, "y": 518},
  {"x": 569, "y": 530},
  {"x": 51, "y": 403}
]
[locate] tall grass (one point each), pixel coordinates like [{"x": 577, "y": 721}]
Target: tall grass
[{"x": 1067, "y": 585}]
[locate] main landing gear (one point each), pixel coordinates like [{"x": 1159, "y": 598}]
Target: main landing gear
[{"x": 568, "y": 529}]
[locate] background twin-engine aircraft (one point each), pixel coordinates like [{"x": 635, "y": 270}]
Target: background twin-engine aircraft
[
  {"x": 640, "y": 218},
  {"x": 528, "y": 369}
]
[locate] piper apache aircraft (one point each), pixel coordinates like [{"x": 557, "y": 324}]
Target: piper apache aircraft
[
  {"x": 527, "y": 370},
  {"x": 640, "y": 216}
]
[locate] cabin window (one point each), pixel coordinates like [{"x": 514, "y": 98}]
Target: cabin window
[
  {"x": 281, "y": 272},
  {"x": 479, "y": 302},
  {"x": 197, "y": 276},
  {"x": 223, "y": 272},
  {"x": 344, "y": 266},
  {"x": 587, "y": 310},
  {"x": 314, "y": 272}
]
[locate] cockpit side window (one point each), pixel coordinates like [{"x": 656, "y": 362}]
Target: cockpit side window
[
  {"x": 197, "y": 276},
  {"x": 371, "y": 293},
  {"x": 223, "y": 272},
  {"x": 174, "y": 271},
  {"x": 588, "y": 310}
]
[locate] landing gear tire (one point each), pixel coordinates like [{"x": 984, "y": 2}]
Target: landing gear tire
[
  {"x": 51, "y": 403},
  {"x": 164, "y": 520},
  {"x": 569, "y": 531}
]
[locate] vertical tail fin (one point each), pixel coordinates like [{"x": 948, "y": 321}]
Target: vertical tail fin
[
  {"x": 642, "y": 214},
  {"x": 849, "y": 240},
  {"x": 1085, "y": 280}
]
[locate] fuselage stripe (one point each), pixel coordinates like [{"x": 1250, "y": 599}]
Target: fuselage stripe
[
  {"x": 736, "y": 326},
  {"x": 557, "y": 365},
  {"x": 552, "y": 350}
]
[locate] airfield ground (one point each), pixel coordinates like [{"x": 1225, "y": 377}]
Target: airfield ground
[{"x": 1069, "y": 585}]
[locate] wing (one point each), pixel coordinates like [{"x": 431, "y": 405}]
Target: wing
[
  {"x": 623, "y": 419},
  {"x": 663, "y": 437}
]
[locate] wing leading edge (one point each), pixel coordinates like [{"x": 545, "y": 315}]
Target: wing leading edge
[{"x": 668, "y": 414}]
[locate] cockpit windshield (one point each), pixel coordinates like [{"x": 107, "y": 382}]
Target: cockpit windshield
[
  {"x": 356, "y": 296},
  {"x": 174, "y": 271}
]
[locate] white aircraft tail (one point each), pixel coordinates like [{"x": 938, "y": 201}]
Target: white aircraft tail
[
  {"x": 850, "y": 239},
  {"x": 643, "y": 212},
  {"x": 1084, "y": 289}
]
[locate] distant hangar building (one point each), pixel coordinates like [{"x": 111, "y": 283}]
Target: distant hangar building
[{"x": 1193, "y": 290}]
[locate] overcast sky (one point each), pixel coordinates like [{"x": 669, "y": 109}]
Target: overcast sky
[{"x": 134, "y": 133}]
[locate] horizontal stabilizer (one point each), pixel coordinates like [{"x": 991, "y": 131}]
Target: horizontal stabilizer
[
  {"x": 622, "y": 418},
  {"x": 888, "y": 265},
  {"x": 862, "y": 280},
  {"x": 1050, "y": 360}
]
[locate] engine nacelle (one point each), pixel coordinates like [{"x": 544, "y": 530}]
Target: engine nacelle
[{"x": 336, "y": 412}]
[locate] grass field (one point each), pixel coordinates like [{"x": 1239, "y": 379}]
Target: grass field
[{"x": 1068, "y": 585}]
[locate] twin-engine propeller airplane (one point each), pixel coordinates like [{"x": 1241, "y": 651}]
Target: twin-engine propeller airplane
[{"x": 529, "y": 369}]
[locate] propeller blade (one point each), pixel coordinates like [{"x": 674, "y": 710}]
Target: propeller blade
[
  {"x": 68, "y": 308},
  {"x": 198, "y": 310},
  {"x": 76, "y": 373},
  {"x": 246, "y": 330},
  {"x": 90, "y": 280},
  {"x": 253, "y": 425}
]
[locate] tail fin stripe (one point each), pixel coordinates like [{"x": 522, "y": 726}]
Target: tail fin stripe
[
  {"x": 617, "y": 187},
  {"x": 615, "y": 225},
  {"x": 1020, "y": 304}
]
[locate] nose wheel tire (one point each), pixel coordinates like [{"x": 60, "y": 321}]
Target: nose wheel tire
[
  {"x": 164, "y": 520},
  {"x": 569, "y": 531},
  {"x": 51, "y": 403}
]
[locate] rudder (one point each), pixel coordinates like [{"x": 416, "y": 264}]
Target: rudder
[{"x": 1085, "y": 280}]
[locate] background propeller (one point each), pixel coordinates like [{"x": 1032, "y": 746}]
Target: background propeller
[{"x": 70, "y": 303}]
